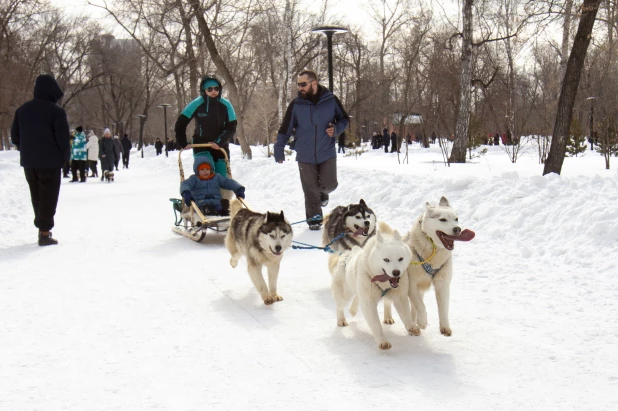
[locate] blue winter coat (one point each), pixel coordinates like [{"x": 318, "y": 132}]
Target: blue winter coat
[
  {"x": 312, "y": 144},
  {"x": 207, "y": 192}
]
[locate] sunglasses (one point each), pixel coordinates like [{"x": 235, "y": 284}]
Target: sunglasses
[
  {"x": 304, "y": 83},
  {"x": 209, "y": 89}
]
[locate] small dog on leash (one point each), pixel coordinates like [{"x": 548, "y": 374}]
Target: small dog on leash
[
  {"x": 109, "y": 176},
  {"x": 262, "y": 239}
]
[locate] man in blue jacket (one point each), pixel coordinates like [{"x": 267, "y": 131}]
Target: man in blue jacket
[
  {"x": 318, "y": 118},
  {"x": 40, "y": 131}
]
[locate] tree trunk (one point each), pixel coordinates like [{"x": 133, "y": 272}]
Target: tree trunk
[
  {"x": 566, "y": 34},
  {"x": 555, "y": 158},
  {"x": 458, "y": 153},
  {"x": 227, "y": 75},
  {"x": 186, "y": 23}
]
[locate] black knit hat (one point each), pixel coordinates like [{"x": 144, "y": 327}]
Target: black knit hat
[{"x": 79, "y": 129}]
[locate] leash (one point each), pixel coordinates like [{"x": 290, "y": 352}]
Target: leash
[
  {"x": 313, "y": 247},
  {"x": 316, "y": 217},
  {"x": 243, "y": 203}
]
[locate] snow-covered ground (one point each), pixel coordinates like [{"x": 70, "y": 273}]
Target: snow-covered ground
[{"x": 126, "y": 315}]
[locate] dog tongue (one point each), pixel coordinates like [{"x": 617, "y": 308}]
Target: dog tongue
[
  {"x": 380, "y": 278},
  {"x": 466, "y": 235},
  {"x": 358, "y": 232}
]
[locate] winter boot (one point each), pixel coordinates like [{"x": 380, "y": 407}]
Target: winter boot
[
  {"x": 46, "y": 239},
  {"x": 225, "y": 207},
  {"x": 323, "y": 199}
]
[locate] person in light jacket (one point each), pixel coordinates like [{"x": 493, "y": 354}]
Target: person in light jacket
[{"x": 93, "y": 153}]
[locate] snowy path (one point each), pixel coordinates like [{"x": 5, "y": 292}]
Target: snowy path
[{"x": 124, "y": 314}]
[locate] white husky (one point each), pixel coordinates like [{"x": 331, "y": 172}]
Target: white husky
[
  {"x": 368, "y": 274},
  {"x": 431, "y": 240}
]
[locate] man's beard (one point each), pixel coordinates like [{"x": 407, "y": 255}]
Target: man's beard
[{"x": 307, "y": 93}]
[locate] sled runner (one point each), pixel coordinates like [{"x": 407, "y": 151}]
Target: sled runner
[{"x": 190, "y": 221}]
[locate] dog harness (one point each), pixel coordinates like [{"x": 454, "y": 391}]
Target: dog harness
[
  {"x": 425, "y": 263},
  {"x": 426, "y": 266}
]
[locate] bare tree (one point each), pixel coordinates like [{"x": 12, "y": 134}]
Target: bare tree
[{"x": 570, "y": 84}]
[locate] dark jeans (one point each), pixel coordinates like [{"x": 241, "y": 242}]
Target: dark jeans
[
  {"x": 81, "y": 166},
  {"x": 386, "y": 149},
  {"x": 65, "y": 168},
  {"x": 341, "y": 149},
  {"x": 125, "y": 158},
  {"x": 317, "y": 179},
  {"x": 44, "y": 186},
  {"x": 93, "y": 167}
]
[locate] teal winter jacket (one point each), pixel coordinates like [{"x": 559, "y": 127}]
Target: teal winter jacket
[{"x": 78, "y": 150}]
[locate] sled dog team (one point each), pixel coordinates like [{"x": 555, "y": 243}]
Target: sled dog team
[{"x": 371, "y": 260}]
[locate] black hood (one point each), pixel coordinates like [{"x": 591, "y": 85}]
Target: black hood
[
  {"x": 47, "y": 88},
  {"x": 205, "y": 79}
]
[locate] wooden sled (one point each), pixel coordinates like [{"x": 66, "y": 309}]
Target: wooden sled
[{"x": 191, "y": 222}]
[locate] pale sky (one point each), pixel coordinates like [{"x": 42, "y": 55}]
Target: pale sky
[{"x": 351, "y": 12}]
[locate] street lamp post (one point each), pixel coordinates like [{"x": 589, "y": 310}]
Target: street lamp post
[
  {"x": 142, "y": 119},
  {"x": 329, "y": 31},
  {"x": 591, "y": 138},
  {"x": 165, "y": 106}
]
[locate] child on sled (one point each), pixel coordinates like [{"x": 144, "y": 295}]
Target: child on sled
[{"x": 204, "y": 187}]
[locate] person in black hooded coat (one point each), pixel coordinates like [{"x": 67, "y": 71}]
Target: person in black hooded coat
[{"x": 40, "y": 131}]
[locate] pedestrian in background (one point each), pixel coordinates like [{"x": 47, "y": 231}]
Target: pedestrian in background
[
  {"x": 117, "y": 151},
  {"x": 93, "y": 153},
  {"x": 126, "y": 150},
  {"x": 40, "y": 131},
  {"x": 79, "y": 156}
]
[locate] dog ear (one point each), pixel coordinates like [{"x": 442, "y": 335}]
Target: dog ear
[
  {"x": 396, "y": 235},
  {"x": 362, "y": 203},
  {"x": 266, "y": 217},
  {"x": 379, "y": 238},
  {"x": 444, "y": 202},
  {"x": 281, "y": 214}
]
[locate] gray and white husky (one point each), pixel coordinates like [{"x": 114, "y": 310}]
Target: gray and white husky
[
  {"x": 262, "y": 239},
  {"x": 357, "y": 221},
  {"x": 432, "y": 240}
]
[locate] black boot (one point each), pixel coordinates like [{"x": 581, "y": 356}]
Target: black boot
[
  {"x": 46, "y": 239},
  {"x": 225, "y": 207}
]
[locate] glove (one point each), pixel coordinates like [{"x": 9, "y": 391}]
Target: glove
[
  {"x": 187, "y": 197},
  {"x": 240, "y": 193}
]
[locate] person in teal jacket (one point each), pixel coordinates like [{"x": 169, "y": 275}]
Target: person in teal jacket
[
  {"x": 215, "y": 121},
  {"x": 79, "y": 156},
  {"x": 204, "y": 187}
]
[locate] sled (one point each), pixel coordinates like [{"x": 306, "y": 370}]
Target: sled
[{"x": 193, "y": 223}]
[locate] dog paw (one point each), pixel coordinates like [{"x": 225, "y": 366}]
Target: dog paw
[
  {"x": 276, "y": 298},
  {"x": 446, "y": 331},
  {"x": 414, "y": 330},
  {"x": 385, "y": 345},
  {"x": 342, "y": 323},
  {"x": 422, "y": 320},
  {"x": 389, "y": 321},
  {"x": 268, "y": 300},
  {"x": 233, "y": 262}
]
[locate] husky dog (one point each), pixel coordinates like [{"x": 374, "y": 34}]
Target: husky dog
[
  {"x": 432, "y": 240},
  {"x": 367, "y": 274},
  {"x": 262, "y": 239},
  {"x": 109, "y": 176},
  {"x": 357, "y": 221}
]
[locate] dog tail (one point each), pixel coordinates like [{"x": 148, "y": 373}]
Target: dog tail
[
  {"x": 235, "y": 206},
  {"x": 384, "y": 228}
]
